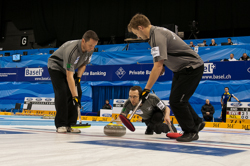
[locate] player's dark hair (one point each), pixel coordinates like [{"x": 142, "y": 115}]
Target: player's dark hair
[
  {"x": 226, "y": 87},
  {"x": 229, "y": 38},
  {"x": 138, "y": 20},
  {"x": 90, "y": 35},
  {"x": 136, "y": 88}
]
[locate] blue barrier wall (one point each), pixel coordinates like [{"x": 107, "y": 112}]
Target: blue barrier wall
[
  {"x": 210, "y": 54},
  {"x": 15, "y": 92},
  {"x": 11, "y": 93},
  {"x": 15, "y": 87}
]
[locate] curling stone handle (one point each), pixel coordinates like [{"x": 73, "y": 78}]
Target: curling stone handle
[
  {"x": 169, "y": 126},
  {"x": 132, "y": 114}
]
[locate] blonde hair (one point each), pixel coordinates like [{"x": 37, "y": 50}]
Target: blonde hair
[{"x": 138, "y": 20}]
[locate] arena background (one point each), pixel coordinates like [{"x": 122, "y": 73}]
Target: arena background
[
  {"x": 51, "y": 23},
  {"x": 48, "y": 24}
]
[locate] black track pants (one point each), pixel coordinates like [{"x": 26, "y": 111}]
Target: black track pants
[
  {"x": 184, "y": 85},
  {"x": 66, "y": 112}
]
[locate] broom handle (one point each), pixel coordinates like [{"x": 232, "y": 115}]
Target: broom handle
[
  {"x": 78, "y": 109},
  {"x": 169, "y": 126},
  {"x": 132, "y": 114}
]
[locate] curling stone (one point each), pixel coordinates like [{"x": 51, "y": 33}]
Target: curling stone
[{"x": 117, "y": 130}]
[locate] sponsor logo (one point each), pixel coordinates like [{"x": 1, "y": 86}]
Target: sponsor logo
[
  {"x": 48, "y": 99},
  {"x": 38, "y": 99},
  {"x": 139, "y": 112},
  {"x": 33, "y": 72},
  {"x": 209, "y": 68},
  {"x": 29, "y": 99},
  {"x": 236, "y": 104},
  {"x": 107, "y": 115},
  {"x": 120, "y": 72},
  {"x": 77, "y": 59},
  {"x": 120, "y": 101}
]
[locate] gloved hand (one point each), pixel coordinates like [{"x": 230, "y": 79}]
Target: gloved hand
[
  {"x": 144, "y": 95},
  {"x": 76, "y": 101},
  {"x": 77, "y": 80}
]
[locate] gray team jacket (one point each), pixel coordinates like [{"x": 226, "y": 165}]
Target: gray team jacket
[
  {"x": 69, "y": 57},
  {"x": 153, "y": 103},
  {"x": 169, "y": 47}
]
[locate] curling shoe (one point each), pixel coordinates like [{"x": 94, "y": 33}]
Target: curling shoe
[
  {"x": 149, "y": 131},
  {"x": 188, "y": 137},
  {"x": 201, "y": 126},
  {"x": 61, "y": 129},
  {"x": 73, "y": 130}
]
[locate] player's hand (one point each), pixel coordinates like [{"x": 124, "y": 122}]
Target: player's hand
[
  {"x": 239, "y": 101},
  {"x": 167, "y": 119},
  {"x": 144, "y": 95},
  {"x": 77, "y": 80},
  {"x": 76, "y": 101},
  {"x": 162, "y": 71}
]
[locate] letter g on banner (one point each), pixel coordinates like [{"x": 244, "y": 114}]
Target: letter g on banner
[{"x": 24, "y": 40}]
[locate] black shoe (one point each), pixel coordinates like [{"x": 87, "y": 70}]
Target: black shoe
[
  {"x": 201, "y": 126},
  {"x": 149, "y": 131},
  {"x": 188, "y": 137}
]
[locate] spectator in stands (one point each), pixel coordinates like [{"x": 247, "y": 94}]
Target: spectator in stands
[
  {"x": 107, "y": 105},
  {"x": 224, "y": 99},
  {"x": 191, "y": 44},
  {"x": 229, "y": 41},
  {"x": 213, "y": 43},
  {"x": 72, "y": 55},
  {"x": 245, "y": 57},
  {"x": 207, "y": 111},
  {"x": 205, "y": 43},
  {"x": 232, "y": 58}
]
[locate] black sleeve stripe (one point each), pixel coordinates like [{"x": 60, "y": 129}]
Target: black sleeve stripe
[
  {"x": 71, "y": 53},
  {"x": 55, "y": 57},
  {"x": 153, "y": 40},
  {"x": 182, "y": 54}
]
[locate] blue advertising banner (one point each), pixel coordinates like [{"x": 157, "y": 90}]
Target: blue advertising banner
[
  {"x": 230, "y": 70},
  {"x": 139, "y": 72},
  {"x": 25, "y": 74},
  {"x": 239, "y": 70}
]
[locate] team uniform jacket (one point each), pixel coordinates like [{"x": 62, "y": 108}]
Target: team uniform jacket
[{"x": 153, "y": 103}]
